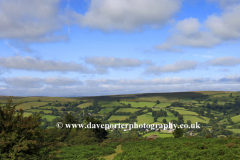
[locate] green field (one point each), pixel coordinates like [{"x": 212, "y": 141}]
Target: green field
[
  {"x": 195, "y": 119},
  {"x": 162, "y": 105},
  {"x": 49, "y": 117},
  {"x": 153, "y": 99},
  {"x": 132, "y": 110},
  {"x": 161, "y": 135},
  {"x": 235, "y": 130},
  {"x": 26, "y": 114},
  {"x": 105, "y": 110},
  {"x": 139, "y": 104},
  {"x": 168, "y": 113},
  {"x": 116, "y": 117},
  {"x": 183, "y": 111},
  {"x": 236, "y": 119},
  {"x": 38, "y": 110},
  {"x": 28, "y": 105},
  {"x": 49, "y": 107},
  {"x": 109, "y": 104},
  {"x": 160, "y": 119},
  {"x": 84, "y": 105},
  {"x": 147, "y": 119}
]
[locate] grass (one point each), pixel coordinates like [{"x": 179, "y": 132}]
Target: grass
[
  {"x": 161, "y": 135},
  {"x": 132, "y": 110},
  {"x": 236, "y": 119},
  {"x": 28, "y": 105},
  {"x": 84, "y": 105},
  {"x": 38, "y": 110},
  {"x": 162, "y": 105},
  {"x": 109, "y": 103},
  {"x": 116, "y": 117},
  {"x": 235, "y": 130},
  {"x": 183, "y": 111},
  {"x": 49, "y": 117},
  {"x": 111, "y": 156},
  {"x": 26, "y": 114},
  {"x": 139, "y": 104},
  {"x": 160, "y": 119},
  {"x": 195, "y": 119},
  {"x": 147, "y": 119},
  {"x": 105, "y": 110}
]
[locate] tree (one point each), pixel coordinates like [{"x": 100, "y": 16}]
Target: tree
[
  {"x": 189, "y": 122},
  {"x": 201, "y": 112},
  {"x": 180, "y": 119},
  {"x": 164, "y": 120},
  {"x": 178, "y": 132},
  {"x": 21, "y": 137},
  {"x": 157, "y": 102},
  {"x": 100, "y": 132},
  {"x": 41, "y": 112},
  {"x": 149, "y": 109},
  {"x": 155, "y": 119}
]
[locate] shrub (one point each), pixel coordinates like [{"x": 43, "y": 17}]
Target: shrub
[
  {"x": 21, "y": 137},
  {"x": 178, "y": 133}
]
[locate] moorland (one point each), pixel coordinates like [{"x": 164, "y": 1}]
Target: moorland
[{"x": 217, "y": 112}]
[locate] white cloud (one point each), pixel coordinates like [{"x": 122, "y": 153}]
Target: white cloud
[
  {"x": 33, "y": 82},
  {"x": 176, "y": 67},
  {"x": 32, "y": 86},
  {"x": 213, "y": 31},
  {"x": 30, "y": 21},
  {"x": 126, "y": 15},
  {"x": 224, "y": 61},
  {"x": 226, "y": 3},
  {"x": 36, "y": 64},
  {"x": 116, "y": 63}
]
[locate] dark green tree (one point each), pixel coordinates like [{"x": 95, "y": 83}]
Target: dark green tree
[
  {"x": 21, "y": 137},
  {"x": 164, "y": 120},
  {"x": 178, "y": 132}
]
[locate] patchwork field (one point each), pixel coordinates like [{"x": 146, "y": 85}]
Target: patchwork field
[
  {"x": 195, "y": 119},
  {"x": 162, "y": 105},
  {"x": 109, "y": 104},
  {"x": 116, "y": 117},
  {"x": 147, "y": 119},
  {"x": 38, "y": 110},
  {"x": 28, "y": 105},
  {"x": 160, "y": 119},
  {"x": 236, "y": 119},
  {"x": 26, "y": 114},
  {"x": 49, "y": 117},
  {"x": 105, "y": 110},
  {"x": 235, "y": 130},
  {"x": 139, "y": 104},
  {"x": 161, "y": 135},
  {"x": 132, "y": 110},
  {"x": 84, "y": 105},
  {"x": 49, "y": 107},
  {"x": 183, "y": 111}
]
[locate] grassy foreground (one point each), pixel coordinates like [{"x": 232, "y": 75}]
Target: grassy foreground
[{"x": 160, "y": 148}]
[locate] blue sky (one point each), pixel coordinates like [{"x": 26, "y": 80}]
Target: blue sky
[{"x": 108, "y": 47}]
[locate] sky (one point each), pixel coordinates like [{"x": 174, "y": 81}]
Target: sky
[{"x": 74, "y": 48}]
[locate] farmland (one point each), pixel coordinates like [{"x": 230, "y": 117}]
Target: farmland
[
  {"x": 120, "y": 118},
  {"x": 144, "y": 119},
  {"x": 206, "y": 108},
  {"x": 132, "y": 110},
  {"x": 139, "y": 104}
]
